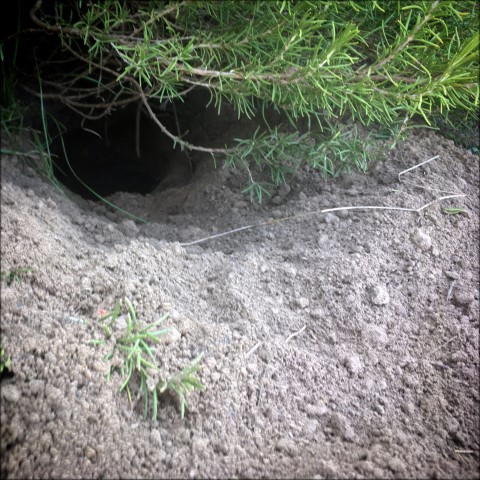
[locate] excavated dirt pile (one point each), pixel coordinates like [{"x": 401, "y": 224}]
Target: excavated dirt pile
[{"x": 335, "y": 345}]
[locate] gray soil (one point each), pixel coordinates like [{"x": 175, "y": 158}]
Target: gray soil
[{"x": 380, "y": 380}]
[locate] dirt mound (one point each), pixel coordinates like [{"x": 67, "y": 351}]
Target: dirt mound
[{"x": 337, "y": 345}]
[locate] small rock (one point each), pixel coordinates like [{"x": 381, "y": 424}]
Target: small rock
[
  {"x": 277, "y": 200},
  {"x": 343, "y": 213},
  {"x": 316, "y": 410},
  {"x": 353, "y": 363},
  {"x": 340, "y": 426},
  {"x": 452, "y": 274},
  {"x": 396, "y": 465},
  {"x": 10, "y": 393},
  {"x": 36, "y": 386},
  {"x": 374, "y": 335},
  {"x": 287, "y": 446},
  {"x": 408, "y": 408},
  {"x": 459, "y": 356},
  {"x": 99, "y": 238},
  {"x": 302, "y": 196},
  {"x": 252, "y": 368},
  {"x": 330, "y": 218},
  {"x": 301, "y": 302},
  {"x": 284, "y": 190},
  {"x": 55, "y": 397},
  {"x": 171, "y": 336},
  {"x": 86, "y": 285},
  {"x": 421, "y": 239},
  {"x": 277, "y": 214},
  {"x": 90, "y": 453},
  {"x": 322, "y": 239},
  {"x": 379, "y": 295},
  {"x": 129, "y": 228},
  {"x": 462, "y": 297}
]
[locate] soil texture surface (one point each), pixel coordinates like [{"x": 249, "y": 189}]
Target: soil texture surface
[{"x": 335, "y": 345}]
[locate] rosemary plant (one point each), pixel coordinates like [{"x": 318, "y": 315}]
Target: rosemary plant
[{"x": 381, "y": 62}]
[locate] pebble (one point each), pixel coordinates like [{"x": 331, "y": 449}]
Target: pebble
[
  {"x": 302, "y": 196},
  {"x": 252, "y": 368},
  {"x": 316, "y": 410},
  {"x": 343, "y": 213},
  {"x": 396, "y": 465},
  {"x": 462, "y": 297},
  {"x": 459, "y": 356},
  {"x": 408, "y": 408},
  {"x": 341, "y": 426},
  {"x": 99, "y": 238},
  {"x": 10, "y": 393},
  {"x": 374, "y": 335},
  {"x": 331, "y": 218},
  {"x": 286, "y": 445},
  {"x": 284, "y": 190},
  {"x": 129, "y": 228},
  {"x": 90, "y": 453},
  {"x": 353, "y": 363},
  {"x": 379, "y": 295},
  {"x": 301, "y": 302},
  {"x": 421, "y": 239}
]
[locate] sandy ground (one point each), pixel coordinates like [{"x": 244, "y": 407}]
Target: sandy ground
[{"x": 380, "y": 381}]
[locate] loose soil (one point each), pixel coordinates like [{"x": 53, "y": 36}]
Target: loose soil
[{"x": 335, "y": 345}]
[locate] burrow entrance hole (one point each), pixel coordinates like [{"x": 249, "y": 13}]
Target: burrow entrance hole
[{"x": 122, "y": 152}]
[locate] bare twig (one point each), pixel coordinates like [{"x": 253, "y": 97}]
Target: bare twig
[
  {"x": 317, "y": 212},
  {"x": 441, "y": 346},
  {"x": 295, "y": 334},
  {"x": 450, "y": 290},
  {"x": 421, "y": 186},
  {"x": 252, "y": 350}
]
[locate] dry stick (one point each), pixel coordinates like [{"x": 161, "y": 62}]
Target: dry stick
[
  {"x": 252, "y": 350},
  {"x": 326, "y": 210},
  {"x": 449, "y": 294},
  {"x": 421, "y": 186},
  {"x": 295, "y": 334},
  {"x": 317, "y": 212},
  {"x": 441, "y": 346}
]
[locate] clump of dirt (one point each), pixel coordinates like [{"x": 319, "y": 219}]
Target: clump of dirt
[{"x": 335, "y": 345}]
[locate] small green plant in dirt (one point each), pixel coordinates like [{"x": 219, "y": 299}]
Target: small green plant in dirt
[
  {"x": 5, "y": 362},
  {"x": 15, "y": 274},
  {"x": 453, "y": 210},
  {"x": 135, "y": 349}
]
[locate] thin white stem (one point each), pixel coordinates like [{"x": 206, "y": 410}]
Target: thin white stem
[
  {"x": 252, "y": 350},
  {"x": 295, "y": 334}
]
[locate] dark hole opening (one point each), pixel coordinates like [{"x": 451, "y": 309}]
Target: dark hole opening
[{"x": 124, "y": 152}]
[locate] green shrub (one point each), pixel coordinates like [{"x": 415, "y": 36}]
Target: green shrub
[{"x": 386, "y": 63}]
